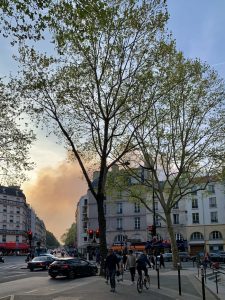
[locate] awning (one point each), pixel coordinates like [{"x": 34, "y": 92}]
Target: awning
[{"x": 14, "y": 246}]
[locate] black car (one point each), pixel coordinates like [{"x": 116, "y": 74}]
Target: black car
[
  {"x": 72, "y": 267},
  {"x": 40, "y": 262}
]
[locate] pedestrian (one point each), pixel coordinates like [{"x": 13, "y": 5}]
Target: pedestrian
[
  {"x": 152, "y": 261},
  {"x": 161, "y": 261},
  {"x": 112, "y": 263},
  {"x": 124, "y": 261},
  {"x": 131, "y": 264}
]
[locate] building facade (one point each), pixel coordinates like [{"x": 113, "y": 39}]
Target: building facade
[
  {"x": 16, "y": 219},
  {"x": 198, "y": 220}
]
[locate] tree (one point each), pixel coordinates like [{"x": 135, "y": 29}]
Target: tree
[
  {"x": 15, "y": 139},
  {"x": 69, "y": 237},
  {"x": 51, "y": 240},
  {"x": 182, "y": 144},
  {"x": 23, "y": 19},
  {"x": 97, "y": 91}
]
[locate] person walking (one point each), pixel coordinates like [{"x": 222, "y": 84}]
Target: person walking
[
  {"x": 131, "y": 264},
  {"x": 161, "y": 261},
  {"x": 152, "y": 261},
  {"x": 112, "y": 263}
]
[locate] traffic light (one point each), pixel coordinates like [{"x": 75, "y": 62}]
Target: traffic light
[
  {"x": 30, "y": 235},
  {"x": 97, "y": 234},
  {"x": 91, "y": 233}
]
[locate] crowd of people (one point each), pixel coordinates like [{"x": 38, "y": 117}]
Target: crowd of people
[{"x": 116, "y": 264}]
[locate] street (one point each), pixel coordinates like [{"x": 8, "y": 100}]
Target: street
[{"x": 18, "y": 283}]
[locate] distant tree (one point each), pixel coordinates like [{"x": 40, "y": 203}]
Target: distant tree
[
  {"x": 69, "y": 237},
  {"x": 15, "y": 139},
  {"x": 51, "y": 240}
]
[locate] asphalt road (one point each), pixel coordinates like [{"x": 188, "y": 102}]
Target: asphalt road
[{"x": 18, "y": 283}]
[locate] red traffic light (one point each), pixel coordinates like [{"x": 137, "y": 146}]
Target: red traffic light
[
  {"x": 30, "y": 235},
  {"x": 97, "y": 233},
  {"x": 90, "y": 233}
]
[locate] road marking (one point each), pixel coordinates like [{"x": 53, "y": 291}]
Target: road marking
[
  {"x": 12, "y": 297},
  {"x": 13, "y": 275},
  {"x": 31, "y": 291}
]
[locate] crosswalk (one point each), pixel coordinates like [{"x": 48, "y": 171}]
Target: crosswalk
[{"x": 13, "y": 266}]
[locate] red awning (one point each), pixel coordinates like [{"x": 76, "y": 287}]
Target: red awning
[{"x": 14, "y": 246}]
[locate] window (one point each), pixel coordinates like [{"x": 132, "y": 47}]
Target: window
[
  {"x": 194, "y": 190},
  {"x": 4, "y": 238},
  {"x": 195, "y": 218},
  {"x": 136, "y": 207},
  {"x": 212, "y": 202},
  {"x": 179, "y": 237},
  {"x": 85, "y": 201},
  {"x": 3, "y": 226},
  {"x": 215, "y": 235},
  {"x": 120, "y": 238},
  {"x": 214, "y": 217},
  {"x": 17, "y": 210},
  {"x": 119, "y": 223},
  {"x": 119, "y": 207},
  {"x": 211, "y": 188},
  {"x": 175, "y": 219},
  {"x": 17, "y": 239},
  {"x": 137, "y": 223},
  {"x": 194, "y": 203},
  {"x": 197, "y": 236},
  {"x": 156, "y": 205},
  {"x": 176, "y": 206},
  {"x": 157, "y": 220}
]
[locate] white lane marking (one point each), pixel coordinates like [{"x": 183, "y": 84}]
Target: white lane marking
[
  {"x": 12, "y": 297},
  {"x": 12, "y": 276},
  {"x": 30, "y": 291}
]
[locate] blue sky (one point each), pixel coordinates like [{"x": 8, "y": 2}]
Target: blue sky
[{"x": 198, "y": 27}]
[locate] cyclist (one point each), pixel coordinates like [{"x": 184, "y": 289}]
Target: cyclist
[{"x": 142, "y": 263}]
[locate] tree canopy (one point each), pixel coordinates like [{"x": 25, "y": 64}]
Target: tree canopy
[
  {"x": 51, "y": 240},
  {"x": 69, "y": 237},
  {"x": 15, "y": 139}
]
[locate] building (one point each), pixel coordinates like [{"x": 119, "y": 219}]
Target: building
[
  {"x": 198, "y": 220},
  {"x": 16, "y": 219},
  {"x": 13, "y": 220}
]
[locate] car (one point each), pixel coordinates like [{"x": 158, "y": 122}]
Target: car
[
  {"x": 40, "y": 262},
  {"x": 222, "y": 256},
  {"x": 214, "y": 257},
  {"x": 184, "y": 256},
  {"x": 2, "y": 259},
  {"x": 71, "y": 267}
]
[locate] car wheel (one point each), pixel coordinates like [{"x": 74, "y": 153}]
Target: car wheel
[
  {"x": 31, "y": 269},
  {"x": 71, "y": 275}
]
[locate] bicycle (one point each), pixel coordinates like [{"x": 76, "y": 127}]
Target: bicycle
[{"x": 143, "y": 282}]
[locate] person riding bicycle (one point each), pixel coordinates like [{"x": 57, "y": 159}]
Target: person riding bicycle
[{"x": 142, "y": 263}]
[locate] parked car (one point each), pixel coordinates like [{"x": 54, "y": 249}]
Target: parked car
[
  {"x": 40, "y": 262},
  {"x": 222, "y": 256},
  {"x": 184, "y": 256},
  {"x": 71, "y": 267},
  {"x": 214, "y": 257},
  {"x": 2, "y": 259}
]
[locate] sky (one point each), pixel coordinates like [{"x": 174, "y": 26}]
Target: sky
[{"x": 55, "y": 186}]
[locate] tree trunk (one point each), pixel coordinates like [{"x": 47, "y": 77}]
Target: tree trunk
[
  {"x": 176, "y": 258},
  {"x": 102, "y": 229}
]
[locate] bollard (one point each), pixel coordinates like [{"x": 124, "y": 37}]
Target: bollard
[
  {"x": 216, "y": 282},
  {"x": 157, "y": 269},
  {"x": 205, "y": 274},
  {"x": 203, "y": 282},
  {"x": 179, "y": 281}
]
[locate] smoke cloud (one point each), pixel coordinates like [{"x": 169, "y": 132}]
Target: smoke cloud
[{"x": 54, "y": 195}]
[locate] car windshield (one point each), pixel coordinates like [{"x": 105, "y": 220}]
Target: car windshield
[{"x": 40, "y": 258}]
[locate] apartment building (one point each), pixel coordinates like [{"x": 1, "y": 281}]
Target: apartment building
[{"x": 16, "y": 218}]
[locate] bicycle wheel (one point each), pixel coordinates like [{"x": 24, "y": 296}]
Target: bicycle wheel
[
  {"x": 147, "y": 283},
  {"x": 139, "y": 285}
]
